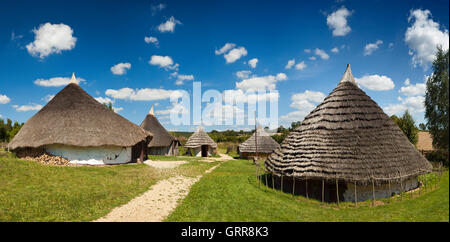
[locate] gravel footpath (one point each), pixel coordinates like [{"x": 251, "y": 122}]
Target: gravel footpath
[{"x": 156, "y": 203}]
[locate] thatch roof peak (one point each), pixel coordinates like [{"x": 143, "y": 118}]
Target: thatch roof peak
[
  {"x": 348, "y": 75},
  {"x": 73, "y": 79},
  {"x": 73, "y": 117},
  {"x": 349, "y": 137},
  {"x": 161, "y": 137},
  {"x": 200, "y": 138},
  {"x": 151, "y": 112},
  {"x": 263, "y": 140}
]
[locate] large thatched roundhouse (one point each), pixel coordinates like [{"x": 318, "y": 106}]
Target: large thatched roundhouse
[
  {"x": 163, "y": 143},
  {"x": 348, "y": 138},
  {"x": 200, "y": 144},
  {"x": 75, "y": 126},
  {"x": 266, "y": 145}
]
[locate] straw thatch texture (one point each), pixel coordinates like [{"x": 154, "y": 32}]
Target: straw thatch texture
[
  {"x": 265, "y": 143},
  {"x": 424, "y": 141},
  {"x": 200, "y": 138},
  {"x": 349, "y": 137},
  {"x": 161, "y": 138},
  {"x": 75, "y": 118}
]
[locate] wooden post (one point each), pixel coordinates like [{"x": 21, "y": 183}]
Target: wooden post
[
  {"x": 356, "y": 196},
  {"x": 281, "y": 181},
  {"x": 401, "y": 187},
  {"x": 373, "y": 192},
  {"x": 411, "y": 191},
  {"x": 390, "y": 190},
  {"x": 418, "y": 179},
  {"x": 337, "y": 190},
  {"x": 256, "y": 172},
  {"x": 265, "y": 175},
  {"x": 323, "y": 188},
  {"x": 273, "y": 183},
  {"x": 306, "y": 182},
  {"x": 293, "y": 184}
]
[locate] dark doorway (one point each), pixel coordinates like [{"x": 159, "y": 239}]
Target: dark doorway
[{"x": 204, "y": 150}]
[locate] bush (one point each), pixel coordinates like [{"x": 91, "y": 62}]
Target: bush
[{"x": 438, "y": 156}]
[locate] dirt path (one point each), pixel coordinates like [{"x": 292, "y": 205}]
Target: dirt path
[{"x": 156, "y": 203}]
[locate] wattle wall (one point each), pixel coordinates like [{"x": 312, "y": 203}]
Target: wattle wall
[{"x": 91, "y": 155}]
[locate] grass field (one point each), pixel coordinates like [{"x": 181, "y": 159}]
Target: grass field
[
  {"x": 229, "y": 193},
  {"x": 30, "y": 191}
]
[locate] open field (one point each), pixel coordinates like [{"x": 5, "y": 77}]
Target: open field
[
  {"x": 30, "y": 191},
  {"x": 229, "y": 193}
]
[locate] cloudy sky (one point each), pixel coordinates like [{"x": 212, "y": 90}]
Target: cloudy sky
[{"x": 139, "y": 53}]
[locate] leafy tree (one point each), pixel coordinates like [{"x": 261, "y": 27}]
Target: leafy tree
[
  {"x": 8, "y": 130},
  {"x": 436, "y": 100},
  {"x": 422, "y": 127},
  {"x": 407, "y": 124},
  {"x": 108, "y": 106}
]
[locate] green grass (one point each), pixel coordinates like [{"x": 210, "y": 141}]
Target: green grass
[
  {"x": 229, "y": 193},
  {"x": 30, "y": 191}
]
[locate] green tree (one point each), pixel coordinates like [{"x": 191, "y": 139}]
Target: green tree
[
  {"x": 436, "y": 100},
  {"x": 407, "y": 124},
  {"x": 108, "y": 106},
  {"x": 422, "y": 127}
]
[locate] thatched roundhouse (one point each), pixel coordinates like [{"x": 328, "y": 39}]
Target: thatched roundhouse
[
  {"x": 200, "y": 144},
  {"x": 163, "y": 143},
  {"x": 348, "y": 140},
  {"x": 266, "y": 145},
  {"x": 75, "y": 126}
]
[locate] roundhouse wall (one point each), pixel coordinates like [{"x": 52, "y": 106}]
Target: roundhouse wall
[
  {"x": 382, "y": 191},
  {"x": 91, "y": 155}
]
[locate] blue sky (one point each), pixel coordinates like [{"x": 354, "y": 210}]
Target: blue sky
[{"x": 387, "y": 43}]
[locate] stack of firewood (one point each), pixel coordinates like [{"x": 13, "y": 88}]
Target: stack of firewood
[{"x": 41, "y": 156}]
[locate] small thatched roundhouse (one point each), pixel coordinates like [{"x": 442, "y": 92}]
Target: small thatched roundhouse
[
  {"x": 348, "y": 140},
  {"x": 163, "y": 143},
  {"x": 75, "y": 126},
  {"x": 266, "y": 145},
  {"x": 200, "y": 144}
]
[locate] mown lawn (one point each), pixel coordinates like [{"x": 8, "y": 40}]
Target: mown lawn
[
  {"x": 30, "y": 191},
  {"x": 229, "y": 193}
]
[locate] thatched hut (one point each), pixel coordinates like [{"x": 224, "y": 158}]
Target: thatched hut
[
  {"x": 163, "y": 143},
  {"x": 348, "y": 145},
  {"x": 266, "y": 145},
  {"x": 75, "y": 126},
  {"x": 200, "y": 144}
]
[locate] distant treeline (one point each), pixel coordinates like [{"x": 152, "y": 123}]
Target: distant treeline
[{"x": 8, "y": 130}]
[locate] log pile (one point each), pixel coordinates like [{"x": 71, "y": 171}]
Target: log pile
[{"x": 39, "y": 155}]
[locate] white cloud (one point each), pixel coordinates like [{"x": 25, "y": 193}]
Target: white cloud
[
  {"x": 157, "y": 8},
  {"x": 56, "y": 81},
  {"x": 304, "y": 102},
  {"x": 104, "y": 100},
  {"x": 321, "y": 53},
  {"x": 335, "y": 50},
  {"x": 25, "y": 108},
  {"x": 48, "y": 97},
  {"x": 151, "y": 39},
  {"x": 313, "y": 58},
  {"x": 307, "y": 50},
  {"x": 371, "y": 47},
  {"x": 253, "y": 62},
  {"x": 376, "y": 82},
  {"x": 182, "y": 78},
  {"x": 290, "y": 64},
  {"x": 413, "y": 90},
  {"x": 117, "y": 109},
  {"x": 225, "y": 48},
  {"x": 51, "y": 38},
  {"x": 243, "y": 97},
  {"x": 243, "y": 74},
  {"x": 337, "y": 21},
  {"x": 144, "y": 94},
  {"x": 235, "y": 54},
  {"x": 165, "y": 62},
  {"x": 120, "y": 68},
  {"x": 412, "y": 104},
  {"x": 169, "y": 25},
  {"x": 423, "y": 37},
  {"x": 391, "y": 45},
  {"x": 261, "y": 83},
  {"x": 300, "y": 66},
  {"x": 4, "y": 99}
]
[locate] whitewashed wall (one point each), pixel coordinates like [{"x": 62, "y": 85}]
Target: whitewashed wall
[
  {"x": 365, "y": 192},
  {"x": 91, "y": 155}
]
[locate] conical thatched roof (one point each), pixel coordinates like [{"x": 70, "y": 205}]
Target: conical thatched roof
[
  {"x": 347, "y": 136},
  {"x": 200, "y": 138},
  {"x": 161, "y": 138},
  {"x": 265, "y": 143},
  {"x": 75, "y": 118}
]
